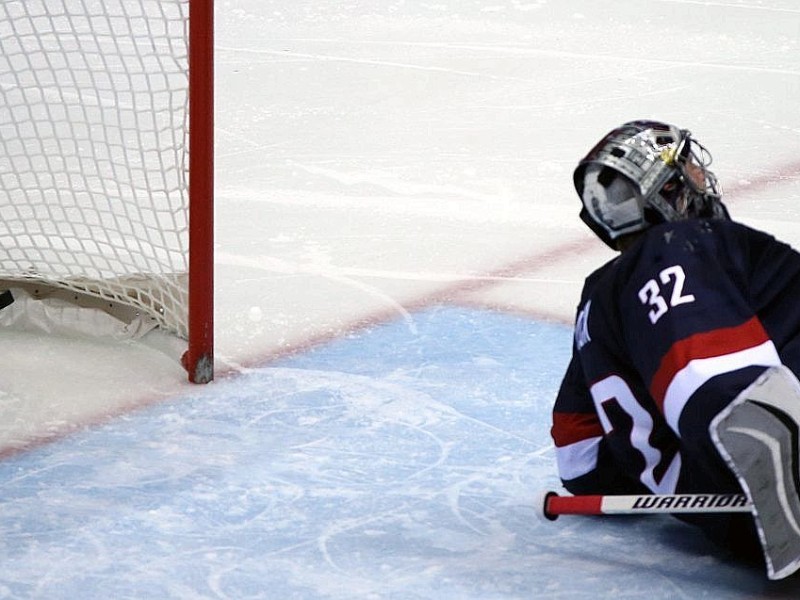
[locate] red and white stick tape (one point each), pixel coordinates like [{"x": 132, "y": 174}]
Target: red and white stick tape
[{"x": 554, "y": 505}]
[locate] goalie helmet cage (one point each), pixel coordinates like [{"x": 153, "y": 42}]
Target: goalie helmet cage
[{"x": 106, "y": 160}]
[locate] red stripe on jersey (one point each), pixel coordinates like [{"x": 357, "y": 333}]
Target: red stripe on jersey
[
  {"x": 569, "y": 428},
  {"x": 718, "y": 342}
]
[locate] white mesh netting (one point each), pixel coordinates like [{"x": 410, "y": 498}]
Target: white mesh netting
[{"x": 94, "y": 150}]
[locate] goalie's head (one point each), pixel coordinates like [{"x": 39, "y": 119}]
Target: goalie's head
[{"x": 644, "y": 173}]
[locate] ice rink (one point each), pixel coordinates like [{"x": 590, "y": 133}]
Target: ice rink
[{"x": 398, "y": 258}]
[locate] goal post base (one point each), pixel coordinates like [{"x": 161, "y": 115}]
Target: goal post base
[
  {"x": 42, "y": 309},
  {"x": 200, "y": 369},
  {"x": 35, "y": 305}
]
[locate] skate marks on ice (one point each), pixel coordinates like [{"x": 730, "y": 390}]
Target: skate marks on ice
[{"x": 393, "y": 464}]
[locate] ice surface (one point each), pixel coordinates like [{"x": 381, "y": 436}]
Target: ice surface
[
  {"x": 398, "y": 258},
  {"x": 398, "y": 463}
]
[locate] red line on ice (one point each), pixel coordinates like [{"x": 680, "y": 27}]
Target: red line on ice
[{"x": 454, "y": 293}]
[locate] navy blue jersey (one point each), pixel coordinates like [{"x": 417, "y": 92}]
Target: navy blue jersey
[{"x": 667, "y": 334}]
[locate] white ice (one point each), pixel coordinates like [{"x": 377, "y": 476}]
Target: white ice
[{"x": 398, "y": 257}]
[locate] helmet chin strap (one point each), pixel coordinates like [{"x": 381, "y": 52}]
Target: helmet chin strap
[{"x": 664, "y": 208}]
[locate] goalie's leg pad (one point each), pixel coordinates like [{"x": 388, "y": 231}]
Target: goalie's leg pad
[{"x": 757, "y": 435}]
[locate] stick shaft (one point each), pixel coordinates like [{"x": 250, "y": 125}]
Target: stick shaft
[{"x": 555, "y": 505}]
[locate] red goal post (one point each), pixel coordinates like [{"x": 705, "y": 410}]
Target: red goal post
[
  {"x": 199, "y": 357},
  {"x": 107, "y": 163}
]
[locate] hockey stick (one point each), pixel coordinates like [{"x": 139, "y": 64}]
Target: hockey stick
[{"x": 554, "y": 505}]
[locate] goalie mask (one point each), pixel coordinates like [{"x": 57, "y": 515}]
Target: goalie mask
[{"x": 644, "y": 173}]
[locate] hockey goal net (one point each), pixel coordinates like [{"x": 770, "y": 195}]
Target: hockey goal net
[{"x": 101, "y": 102}]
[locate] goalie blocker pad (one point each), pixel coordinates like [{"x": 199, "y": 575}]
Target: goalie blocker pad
[{"x": 757, "y": 435}]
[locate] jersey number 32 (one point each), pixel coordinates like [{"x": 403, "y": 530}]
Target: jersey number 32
[{"x": 665, "y": 293}]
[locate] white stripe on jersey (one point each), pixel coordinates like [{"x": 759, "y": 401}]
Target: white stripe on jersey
[
  {"x": 687, "y": 381},
  {"x": 578, "y": 458}
]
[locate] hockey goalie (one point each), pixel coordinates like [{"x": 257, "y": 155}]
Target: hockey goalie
[{"x": 686, "y": 347}]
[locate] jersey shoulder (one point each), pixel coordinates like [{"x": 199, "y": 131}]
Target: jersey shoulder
[
  {"x": 728, "y": 244},
  {"x": 690, "y": 235}
]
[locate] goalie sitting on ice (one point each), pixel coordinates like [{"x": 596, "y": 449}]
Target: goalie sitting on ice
[{"x": 686, "y": 346}]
